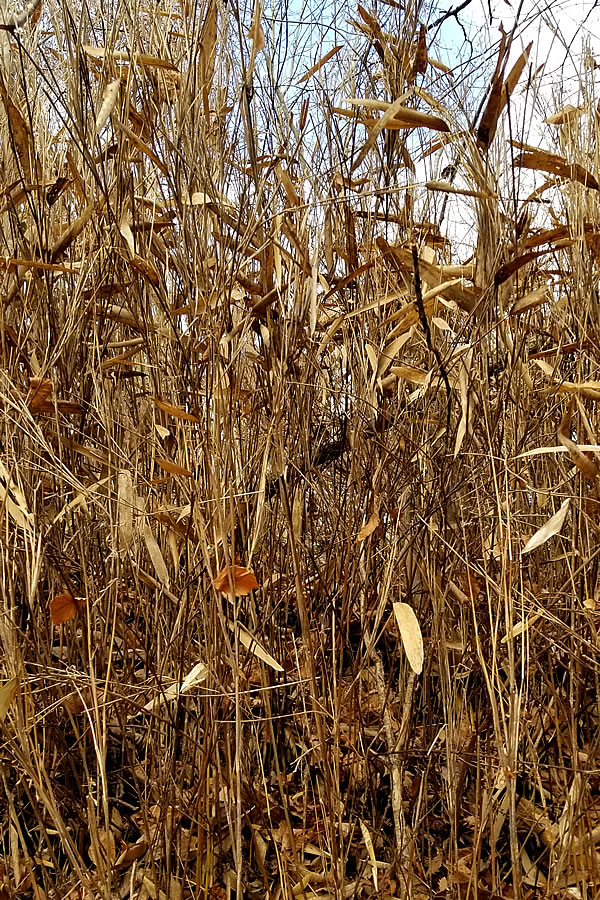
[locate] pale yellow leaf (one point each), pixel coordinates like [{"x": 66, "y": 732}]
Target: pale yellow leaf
[
  {"x": 368, "y": 529},
  {"x": 370, "y": 851},
  {"x": 520, "y": 628},
  {"x": 250, "y": 642},
  {"x": 410, "y": 632},
  {"x": 531, "y": 300},
  {"x": 158, "y": 561},
  {"x": 373, "y": 357},
  {"x": 388, "y": 354},
  {"x": 194, "y": 677},
  {"x": 552, "y": 527},
  {"x": 109, "y": 99},
  {"x": 126, "y": 504},
  {"x": 410, "y": 373},
  {"x": 12, "y": 498}
]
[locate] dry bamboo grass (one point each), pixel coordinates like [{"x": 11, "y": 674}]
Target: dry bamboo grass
[{"x": 253, "y": 394}]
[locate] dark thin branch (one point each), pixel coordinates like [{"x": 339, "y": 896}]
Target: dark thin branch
[
  {"x": 451, "y": 14},
  {"x": 427, "y": 330}
]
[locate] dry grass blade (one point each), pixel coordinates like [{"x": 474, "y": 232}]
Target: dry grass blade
[{"x": 281, "y": 404}]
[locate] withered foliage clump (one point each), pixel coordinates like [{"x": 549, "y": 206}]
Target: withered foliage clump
[{"x": 299, "y": 399}]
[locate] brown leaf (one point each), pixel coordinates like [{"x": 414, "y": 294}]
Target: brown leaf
[
  {"x": 509, "y": 268},
  {"x": 244, "y": 581},
  {"x": 64, "y": 607},
  {"x": 500, "y": 92},
  {"x": 172, "y": 468},
  {"x": 176, "y": 411},
  {"x": 541, "y": 161},
  {"x": 586, "y": 466},
  {"x": 8, "y": 692},
  {"x": 20, "y": 135},
  {"x": 130, "y": 852},
  {"x": 420, "y": 63},
  {"x": 40, "y": 391},
  {"x": 320, "y": 63},
  {"x": 491, "y": 113}
]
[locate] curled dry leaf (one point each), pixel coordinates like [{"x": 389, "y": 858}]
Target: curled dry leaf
[
  {"x": 553, "y": 526},
  {"x": 40, "y": 391},
  {"x": 109, "y": 98},
  {"x": 368, "y": 529},
  {"x": 586, "y": 466},
  {"x": 64, "y": 607},
  {"x": 244, "y": 581},
  {"x": 410, "y": 632}
]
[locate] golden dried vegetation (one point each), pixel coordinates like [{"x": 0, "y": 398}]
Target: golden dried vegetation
[{"x": 298, "y": 459}]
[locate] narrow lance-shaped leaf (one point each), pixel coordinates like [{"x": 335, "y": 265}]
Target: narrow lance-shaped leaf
[
  {"x": 553, "y": 526},
  {"x": 410, "y": 632},
  {"x": 320, "y": 63}
]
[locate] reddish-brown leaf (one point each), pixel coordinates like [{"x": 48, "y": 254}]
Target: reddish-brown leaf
[
  {"x": 244, "y": 581},
  {"x": 64, "y": 607},
  {"x": 40, "y": 391}
]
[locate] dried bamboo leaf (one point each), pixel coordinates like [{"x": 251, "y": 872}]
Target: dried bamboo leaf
[
  {"x": 139, "y": 59},
  {"x": 318, "y": 65},
  {"x": 208, "y": 44},
  {"x": 195, "y": 676},
  {"x": 176, "y": 411},
  {"x": 410, "y": 632},
  {"x": 541, "y": 161},
  {"x": 140, "y": 145},
  {"x": 509, "y": 268},
  {"x": 368, "y": 528},
  {"x": 250, "y": 643},
  {"x": 530, "y": 301},
  {"x": 13, "y": 500},
  {"x": 552, "y": 527},
  {"x": 448, "y": 188},
  {"x": 73, "y": 231},
  {"x": 565, "y": 116},
  {"x": 410, "y": 373},
  {"x": 156, "y": 557},
  {"x": 586, "y": 466},
  {"x": 20, "y": 134},
  {"x": 126, "y": 506},
  {"x": 109, "y": 99},
  {"x": 172, "y": 468}
]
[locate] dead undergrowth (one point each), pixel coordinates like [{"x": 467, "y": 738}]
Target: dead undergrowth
[{"x": 299, "y": 471}]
